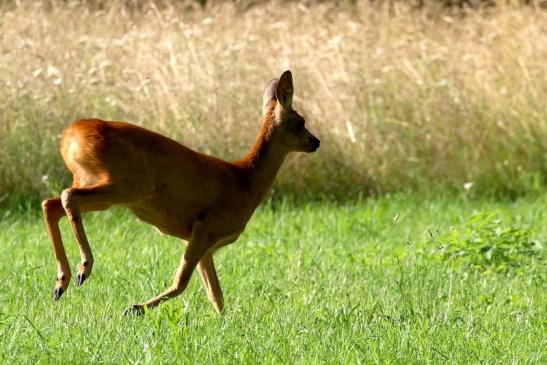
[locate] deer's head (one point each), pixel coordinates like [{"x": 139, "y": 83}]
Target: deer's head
[{"x": 288, "y": 127}]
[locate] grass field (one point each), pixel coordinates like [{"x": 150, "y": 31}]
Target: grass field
[
  {"x": 436, "y": 114},
  {"x": 360, "y": 282}
]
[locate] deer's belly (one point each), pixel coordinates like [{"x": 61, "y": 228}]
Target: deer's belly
[{"x": 166, "y": 224}]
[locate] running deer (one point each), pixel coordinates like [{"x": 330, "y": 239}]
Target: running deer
[{"x": 203, "y": 200}]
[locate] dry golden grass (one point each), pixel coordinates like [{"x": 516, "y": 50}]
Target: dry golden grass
[{"x": 400, "y": 99}]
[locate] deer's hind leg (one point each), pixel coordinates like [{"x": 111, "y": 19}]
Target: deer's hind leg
[
  {"x": 76, "y": 200},
  {"x": 53, "y": 212}
]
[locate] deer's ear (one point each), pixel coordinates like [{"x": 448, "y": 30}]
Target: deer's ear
[
  {"x": 284, "y": 90},
  {"x": 269, "y": 95}
]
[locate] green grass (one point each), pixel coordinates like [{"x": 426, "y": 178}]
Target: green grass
[{"x": 321, "y": 282}]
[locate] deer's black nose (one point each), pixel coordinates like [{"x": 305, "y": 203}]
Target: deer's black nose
[{"x": 314, "y": 144}]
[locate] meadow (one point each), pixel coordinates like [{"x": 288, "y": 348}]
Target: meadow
[
  {"x": 401, "y": 99},
  {"x": 367, "y": 282},
  {"x": 416, "y": 234}
]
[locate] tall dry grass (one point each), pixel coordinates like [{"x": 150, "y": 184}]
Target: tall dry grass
[{"x": 401, "y": 99}]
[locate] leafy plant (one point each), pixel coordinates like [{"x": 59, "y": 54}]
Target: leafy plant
[{"x": 484, "y": 243}]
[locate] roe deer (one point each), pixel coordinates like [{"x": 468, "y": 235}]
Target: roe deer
[{"x": 198, "y": 198}]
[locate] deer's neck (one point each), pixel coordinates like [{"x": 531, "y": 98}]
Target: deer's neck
[{"x": 263, "y": 160}]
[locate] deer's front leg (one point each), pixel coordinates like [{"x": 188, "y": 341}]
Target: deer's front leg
[
  {"x": 206, "y": 268},
  {"x": 188, "y": 262}
]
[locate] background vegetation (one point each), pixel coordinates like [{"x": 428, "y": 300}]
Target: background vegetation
[
  {"x": 402, "y": 97},
  {"x": 436, "y": 108}
]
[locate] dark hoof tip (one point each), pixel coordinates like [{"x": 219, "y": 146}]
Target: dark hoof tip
[
  {"x": 134, "y": 310},
  {"x": 80, "y": 279},
  {"x": 57, "y": 293}
]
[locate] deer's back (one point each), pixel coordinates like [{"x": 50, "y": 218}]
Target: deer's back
[{"x": 147, "y": 164}]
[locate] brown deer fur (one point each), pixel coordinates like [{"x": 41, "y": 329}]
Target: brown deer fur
[{"x": 198, "y": 198}]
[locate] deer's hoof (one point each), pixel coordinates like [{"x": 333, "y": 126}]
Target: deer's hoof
[
  {"x": 80, "y": 279},
  {"x": 57, "y": 293},
  {"x": 134, "y": 310}
]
